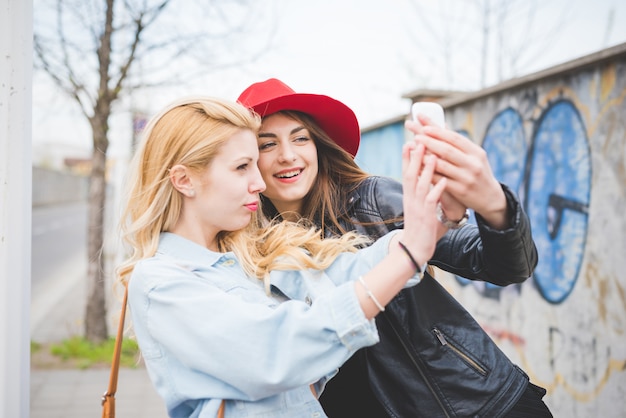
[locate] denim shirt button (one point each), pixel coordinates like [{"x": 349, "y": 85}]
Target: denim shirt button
[{"x": 308, "y": 300}]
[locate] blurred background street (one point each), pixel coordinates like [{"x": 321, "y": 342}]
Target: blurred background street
[
  {"x": 58, "y": 266},
  {"x": 57, "y": 312}
]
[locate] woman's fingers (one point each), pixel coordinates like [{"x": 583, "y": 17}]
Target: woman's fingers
[
  {"x": 453, "y": 148},
  {"x": 418, "y": 170},
  {"x": 415, "y": 127},
  {"x": 436, "y": 192},
  {"x": 465, "y": 165},
  {"x": 450, "y": 137},
  {"x": 426, "y": 175},
  {"x": 412, "y": 157},
  {"x": 420, "y": 197}
]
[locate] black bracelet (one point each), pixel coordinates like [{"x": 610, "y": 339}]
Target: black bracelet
[{"x": 406, "y": 250}]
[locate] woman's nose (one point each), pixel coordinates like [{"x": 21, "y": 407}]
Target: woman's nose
[
  {"x": 286, "y": 153},
  {"x": 257, "y": 185}
]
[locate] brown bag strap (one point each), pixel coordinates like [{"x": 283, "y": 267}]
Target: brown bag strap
[{"x": 108, "y": 399}]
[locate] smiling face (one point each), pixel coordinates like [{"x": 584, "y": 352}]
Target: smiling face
[{"x": 287, "y": 160}]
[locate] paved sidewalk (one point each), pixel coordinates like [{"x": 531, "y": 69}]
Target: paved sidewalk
[
  {"x": 74, "y": 393},
  {"x": 57, "y": 311},
  {"x": 77, "y": 394}
]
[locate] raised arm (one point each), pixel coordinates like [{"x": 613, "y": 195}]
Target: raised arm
[{"x": 416, "y": 244}]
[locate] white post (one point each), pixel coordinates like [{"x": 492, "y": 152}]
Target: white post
[{"x": 16, "y": 51}]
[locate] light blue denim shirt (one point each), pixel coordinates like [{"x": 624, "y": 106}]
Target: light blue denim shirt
[{"x": 207, "y": 332}]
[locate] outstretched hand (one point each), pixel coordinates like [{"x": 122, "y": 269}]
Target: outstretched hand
[
  {"x": 421, "y": 194},
  {"x": 466, "y": 167}
]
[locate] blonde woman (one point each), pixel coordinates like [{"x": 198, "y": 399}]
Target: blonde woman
[{"x": 250, "y": 319}]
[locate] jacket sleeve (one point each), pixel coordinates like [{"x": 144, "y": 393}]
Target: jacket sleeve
[
  {"x": 476, "y": 252},
  {"x": 482, "y": 253}
]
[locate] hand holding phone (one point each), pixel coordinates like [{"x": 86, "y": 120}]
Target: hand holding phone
[{"x": 432, "y": 110}]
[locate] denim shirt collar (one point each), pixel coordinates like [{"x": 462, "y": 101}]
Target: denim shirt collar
[
  {"x": 185, "y": 250},
  {"x": 194, "y": 257}
]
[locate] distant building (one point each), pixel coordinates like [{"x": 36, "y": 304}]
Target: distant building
[{"x": 54, "y": 155}]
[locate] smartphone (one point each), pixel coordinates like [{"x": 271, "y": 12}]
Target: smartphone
[{"x": 432, "y": 110}]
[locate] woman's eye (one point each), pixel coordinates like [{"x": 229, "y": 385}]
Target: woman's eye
[
  {"x": 302, "y": 139},
  {"x": 266, "y": 145},
  {"x": 242, "y": 166}
]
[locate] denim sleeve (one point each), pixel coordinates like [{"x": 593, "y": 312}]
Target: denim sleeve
[
  {"x": 238, "y": 343},
  {"x": 349, "y": 266}
]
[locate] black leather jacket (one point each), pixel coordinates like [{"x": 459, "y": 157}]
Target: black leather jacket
[{"x": 433, "y": 358}]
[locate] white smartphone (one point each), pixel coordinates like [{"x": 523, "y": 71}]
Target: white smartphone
[{"x": 432, "y": 110}]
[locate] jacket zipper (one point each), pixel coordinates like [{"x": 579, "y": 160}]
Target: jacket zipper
[
  {"x": 444, "y": 342},
  {"x": 416, "y": 364}
]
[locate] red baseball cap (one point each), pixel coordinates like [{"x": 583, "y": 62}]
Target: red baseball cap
[{"x": 335, "y": 118}]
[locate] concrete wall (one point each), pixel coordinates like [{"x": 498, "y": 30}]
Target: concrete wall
[
  {"x": 559, "y": 139},
  {"x": 54, "y": 187}
]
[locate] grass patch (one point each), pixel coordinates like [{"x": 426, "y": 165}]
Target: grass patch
[
  {"x": 83, "y": 354},
  {"x": 34, "y": 347}
]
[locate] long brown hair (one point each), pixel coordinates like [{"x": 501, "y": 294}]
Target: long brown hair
[{"x": 338, "y": 175}]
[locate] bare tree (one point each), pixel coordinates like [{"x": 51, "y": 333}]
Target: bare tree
[
  {"x": 482, "y": 37},
  {"x": 91, "y": 50}
]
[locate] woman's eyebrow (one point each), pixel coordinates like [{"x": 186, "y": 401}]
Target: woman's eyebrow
[
  {"x": 297, "y": 129},
  {"x": 273, "y": 135},
  {"x": 267, "y": 135}
]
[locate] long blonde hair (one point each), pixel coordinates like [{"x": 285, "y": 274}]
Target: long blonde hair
[{"x": 190, "y": 132}]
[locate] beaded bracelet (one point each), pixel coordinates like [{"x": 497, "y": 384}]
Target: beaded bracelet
[{"x": 371, "y": 295}]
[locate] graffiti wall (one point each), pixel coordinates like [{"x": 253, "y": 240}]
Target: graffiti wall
[{"x": 560, "y": 142}]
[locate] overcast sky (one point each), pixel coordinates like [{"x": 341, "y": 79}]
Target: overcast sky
[{"x": 368, "y": 53}]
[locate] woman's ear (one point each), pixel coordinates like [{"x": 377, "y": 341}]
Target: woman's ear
[{"x": 181, "y": 181}]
